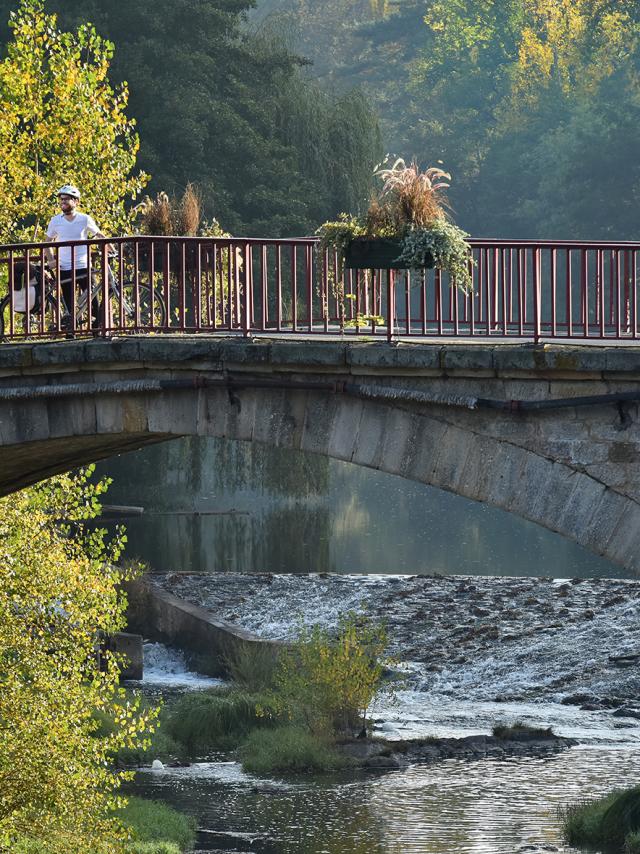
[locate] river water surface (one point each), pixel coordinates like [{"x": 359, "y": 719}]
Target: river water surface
[
  {"x": 212, "y": 506},
  {"x": 484, "y": 806}
]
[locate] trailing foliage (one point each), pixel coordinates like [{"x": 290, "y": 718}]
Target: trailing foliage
[
  {"x": 409, "y": 206},
  {"x": 61, "y": 121},
  {"x": 58, "y": 594},
  {"x": 339, "y": 234},
  {"x": 445, "y": 244}
]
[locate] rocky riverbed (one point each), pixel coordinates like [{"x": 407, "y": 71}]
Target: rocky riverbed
[{"x": 482, "y": 638}]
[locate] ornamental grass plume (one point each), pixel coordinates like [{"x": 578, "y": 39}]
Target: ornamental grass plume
[
  {"x": 155, "y": 215},
  {"x": 189, "y": 211},
  {"x": 409, "y": 198},
  {"x": 169, "y": 215}
]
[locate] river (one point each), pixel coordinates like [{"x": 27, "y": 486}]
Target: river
[
  {"x": 484, "y": 806},
  {"x": 214, "y": 507}
]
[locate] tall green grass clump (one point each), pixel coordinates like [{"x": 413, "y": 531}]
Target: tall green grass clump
[
  {"x": 289, "y": 749},
  {"x": 253, "y": 666},
  {"x": 156, "y": 824},
  {"x": 612, "y": 821},
  {"x": 217, "y": 719}
]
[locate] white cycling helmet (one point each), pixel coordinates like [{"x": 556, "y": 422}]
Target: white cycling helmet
[{"x": 69, "y": 190}]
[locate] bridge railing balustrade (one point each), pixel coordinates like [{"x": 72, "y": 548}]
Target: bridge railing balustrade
[{"x": 522, "y": 289}]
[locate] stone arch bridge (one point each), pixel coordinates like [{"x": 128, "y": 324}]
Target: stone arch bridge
[{"x": 549, "y": 433}]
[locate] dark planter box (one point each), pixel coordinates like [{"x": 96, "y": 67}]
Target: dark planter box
[{"x": 376, "y": 253}]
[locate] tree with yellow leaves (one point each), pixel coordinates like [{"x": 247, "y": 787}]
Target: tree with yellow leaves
[
  {"x": 572, "y": 45},
  {"x": 327, "y": 681},
  {"x": 61, "y": 122},
  {"x": 58, "y": 596}
]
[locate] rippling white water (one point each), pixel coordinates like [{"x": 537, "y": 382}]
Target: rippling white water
[
  {"x": 417, "y": 714},
  {"x": 454, "y": 807},
  {"x": 168, "y": 667}
]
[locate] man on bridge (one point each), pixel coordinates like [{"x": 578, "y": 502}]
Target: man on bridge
[{"x": 71, "y": 224}]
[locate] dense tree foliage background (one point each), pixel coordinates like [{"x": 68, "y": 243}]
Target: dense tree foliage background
[
  {"x": 231, "y": 109},
  {"x": 533, "y": 105},
  {"x": 270, "y": 105}
]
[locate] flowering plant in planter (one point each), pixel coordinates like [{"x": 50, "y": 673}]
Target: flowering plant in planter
[{"x": 406, "y": 226}]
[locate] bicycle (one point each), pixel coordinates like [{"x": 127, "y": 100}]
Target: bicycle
[{"x": 131, "y": 308}]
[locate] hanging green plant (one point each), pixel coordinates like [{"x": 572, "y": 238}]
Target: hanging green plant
[{"x": 405, "y": 227}]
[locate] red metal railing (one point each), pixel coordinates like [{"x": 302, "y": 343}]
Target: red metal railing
[{"x": 522, "y": 289}]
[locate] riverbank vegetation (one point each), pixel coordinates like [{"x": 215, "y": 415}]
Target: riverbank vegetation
[
  {"x": 520, "y": 730},
  {"x": 59, "y": 594},
  {"x": 157, "y": 828},
  {"x": 612, "y": 821},
  {"x": 288, "y": 714}
]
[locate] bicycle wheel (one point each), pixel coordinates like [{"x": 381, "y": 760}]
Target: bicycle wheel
[
  {"x": 143, "y": 314},
  {"x": 20, "y": 318}
]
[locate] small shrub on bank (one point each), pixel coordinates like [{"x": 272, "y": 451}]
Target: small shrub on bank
[
  {"x": 613, "y": 820},
  {"x": 288, "y": 749},
  {"x": 326, "y": 681},
  {"x": 216, "y": 719}
]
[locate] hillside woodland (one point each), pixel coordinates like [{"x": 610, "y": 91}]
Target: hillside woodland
[
  {"x": 228, "y": 107},
  {"x": 279, "y": 109},
  {"x": 532, "y": 105}
]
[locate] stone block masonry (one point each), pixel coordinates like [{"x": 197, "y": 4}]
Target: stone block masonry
[{"x": 407, "y": 409}]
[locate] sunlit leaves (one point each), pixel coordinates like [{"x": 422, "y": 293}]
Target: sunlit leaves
[
  {"x": 58, "y": 597},
  {"x": 60, "y": 122},
  {"x": 331, "y": 679}
]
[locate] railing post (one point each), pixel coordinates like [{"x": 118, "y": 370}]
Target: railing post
[
  {"x": 537, "y": 296},
  {"x": 391, "y": 305},
  {"x": 246, "y": 291}
]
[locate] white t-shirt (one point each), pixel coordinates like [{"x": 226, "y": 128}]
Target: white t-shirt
[{"x": 80, "y": 227}]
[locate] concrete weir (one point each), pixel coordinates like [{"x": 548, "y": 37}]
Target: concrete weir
[{"x": 211, "y": 642}]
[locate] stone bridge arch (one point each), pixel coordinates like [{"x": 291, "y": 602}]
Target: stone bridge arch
[{"x": 571, "y": 469}]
